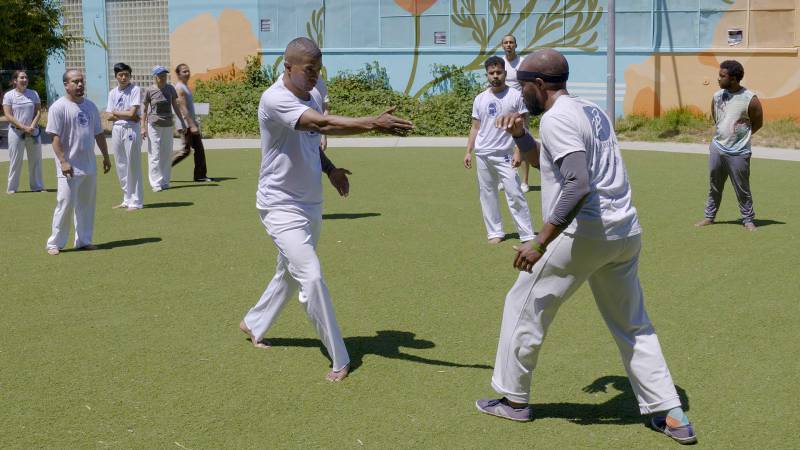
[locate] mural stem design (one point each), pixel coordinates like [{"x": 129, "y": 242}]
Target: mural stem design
[{"x": 413, "y": 74}]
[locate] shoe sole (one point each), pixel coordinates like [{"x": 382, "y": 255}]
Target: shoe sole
[{"x": 500, "y": 416}]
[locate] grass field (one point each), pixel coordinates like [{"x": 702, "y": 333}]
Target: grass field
[{"x": 136, "y": 345}]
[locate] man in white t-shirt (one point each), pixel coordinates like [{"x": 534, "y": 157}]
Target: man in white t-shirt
[
  {"x": 289, "y": 196},
  {"x": 126, "y": 142},
  {"x": 74, "y": 123},
  {"x": 591, "y": 232},
  {"x": 512, "y": 61},
  {"x": 496, "y": 157}
]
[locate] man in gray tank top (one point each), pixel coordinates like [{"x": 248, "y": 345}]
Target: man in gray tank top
[
  {"x": 192, "y": 138},
  {"x": 737, "y": 115}
]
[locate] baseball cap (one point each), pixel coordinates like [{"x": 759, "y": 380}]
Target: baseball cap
[{"x": 158, "y": 70}]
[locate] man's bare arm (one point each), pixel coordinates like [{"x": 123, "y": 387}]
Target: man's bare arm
[
  {"x": 756, "y": 114},
  {"x": 387, "y": 123}
]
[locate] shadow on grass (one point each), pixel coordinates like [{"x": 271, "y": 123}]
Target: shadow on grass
[
  {"x": 127, "y": 243},
  {"x": 215, "y": 179},
  {"x": 385, "y": 343},
  {"x": 192, "y": 185},
  {"x": 37, "y": 192},
  {"x": 757, "y": 222},
  {"x": 348, "y": 216},
  {"x": 168, "y": 205},
  {"x": 532, "y": 188},
  {"x": 619, "y": 410}
]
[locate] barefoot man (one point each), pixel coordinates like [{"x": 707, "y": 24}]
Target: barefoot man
[{"x": 289, "y": 197}]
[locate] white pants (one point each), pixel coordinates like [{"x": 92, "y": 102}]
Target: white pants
[
  {"x": 296, "y": 232},
  {"x": 159, "y": 156},
  {"x": 16, "y": 145},
  {"x": 126, "y": 143},
  {"x": 494, "y": 169},
  {"x": 75, "y": 198},
  {"x": 612, "y": 270}
]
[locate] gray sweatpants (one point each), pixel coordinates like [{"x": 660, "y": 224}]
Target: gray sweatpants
[{"x": 737, "y": 167}]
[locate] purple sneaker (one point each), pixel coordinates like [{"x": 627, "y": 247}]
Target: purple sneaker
[
  {"x": 683, "y": 434},
  {"x": 501, "y": 408}
]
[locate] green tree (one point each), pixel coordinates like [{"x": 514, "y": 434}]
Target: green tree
[{"x": 30, "y": 33}]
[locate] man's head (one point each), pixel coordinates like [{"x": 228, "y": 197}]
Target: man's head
[
  {"x": 183, "y": 72},
  {"x": 122, "y": 72},
  {"x": 542, "y": 74},
  {"x": 74, "y": 83},
  {"x": 730, "y": 74},
  {"x": 160, "y": 75},
  {"x": 509, "y": 44},
  {"x": 495, "y": 72},
  {"x": 302, "y": 62}
]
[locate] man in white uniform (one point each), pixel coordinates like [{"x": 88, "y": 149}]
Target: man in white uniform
[
  {"x": 513, "y": 60},
  {"x": 123, "y": 110},
  {"x": 289, "y": 197},
  {"x": 496, "y": 156},
  {"x": 74, "y": 123},
  {"x": 592, "y": 233}
]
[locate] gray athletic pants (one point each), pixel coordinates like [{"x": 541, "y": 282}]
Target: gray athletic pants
[{"x": 737, "y": 167}]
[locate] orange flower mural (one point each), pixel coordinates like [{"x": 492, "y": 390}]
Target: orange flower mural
[{"x": 415, "y": 7}]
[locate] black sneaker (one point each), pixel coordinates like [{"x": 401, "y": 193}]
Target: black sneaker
[
  {"x": 683, "y": 434},
  {"x": 204, "y": 180}
]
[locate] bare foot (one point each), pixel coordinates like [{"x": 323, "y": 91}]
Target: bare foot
[
  {"x": 704, "y": 222},
  {"x": 53, "y": 251},
  {"x": 256, "y": 343},
  {"x": 121, "y": 205},
  {"x": 132, "y": 208},
  {"x": 495, "y": 240},
  {"x": 336, "y": 376},
  {"x": 750, "y": 226}
]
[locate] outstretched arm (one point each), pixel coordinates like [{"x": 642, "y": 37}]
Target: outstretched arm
[
  {"x": 515, "y": 124},
  {"x": 387, "y": 123}
]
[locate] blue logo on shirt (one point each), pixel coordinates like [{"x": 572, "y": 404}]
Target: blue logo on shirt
[
  {"x": 492, "y": 109},
  {"x": 83, "y": 119},
  {"x": 600, "y": 126}
]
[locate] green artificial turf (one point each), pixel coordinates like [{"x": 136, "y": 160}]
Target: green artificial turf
[{"x": 136, "y": 345}]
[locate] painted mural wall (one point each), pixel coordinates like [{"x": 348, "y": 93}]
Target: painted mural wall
[{"x": 668, "y": 52}]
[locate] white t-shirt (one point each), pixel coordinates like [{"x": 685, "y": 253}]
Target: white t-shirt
[
  {"x": 123, "y": 100},
  {"x": 511, "y": 72},
  {"x": 23, "y": 105},
  {"x": 487, "y": 107},
  {"x": 321, "y": 91},
  {"x": 574, "y": 124},
  {"x": 76, "y": 124},
  {"x": 290, "y": 172}
]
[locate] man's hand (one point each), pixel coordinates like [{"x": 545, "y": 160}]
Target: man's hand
[
  {"x": 66, "y": 169},
  {"x": 193, "y": 129},
  {"x": 516, "y": 160},
  {"x": 338, "y": 178},
  {"x": 106, "y": 164},
  {"x": 526, "y": 257},
  {"x": 144, "y": 132},
  {"x": 468, "y": 160},
  {"x": 388, "y": 123},
  {"x": 323, "y": 143},
  {"x": 513, "y": 123}
]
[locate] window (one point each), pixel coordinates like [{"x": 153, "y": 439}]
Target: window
[
  {"x": 138, "y": 35},
  {"x": 74, "y": 57}
]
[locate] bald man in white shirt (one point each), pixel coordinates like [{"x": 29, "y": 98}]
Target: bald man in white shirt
[{"x": 289, "y": 197}]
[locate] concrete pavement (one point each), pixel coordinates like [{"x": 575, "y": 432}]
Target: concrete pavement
[{"x": 784, "y": 154}]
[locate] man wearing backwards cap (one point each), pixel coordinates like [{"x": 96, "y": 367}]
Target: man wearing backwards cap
[
  {"x": 591, "y": 232},
  {"x": 158, "y": 103}
]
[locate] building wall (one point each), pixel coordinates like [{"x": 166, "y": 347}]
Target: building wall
[{"x": 668, "y": 52}]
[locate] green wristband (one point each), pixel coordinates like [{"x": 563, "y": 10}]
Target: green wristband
[{"x": 537, "y": 246}]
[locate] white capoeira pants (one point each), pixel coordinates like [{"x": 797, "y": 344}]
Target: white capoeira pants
[
  {"x": 295, "y": 232},
  {"x": 126, "y": 143},
  {"x": 17, "y": 146},
  {"x": 75, "y": 198},
  {"x": 159, "y": 156},
  {"x": 493, "y": 169},
  {"x": 611, "y": 267}
]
